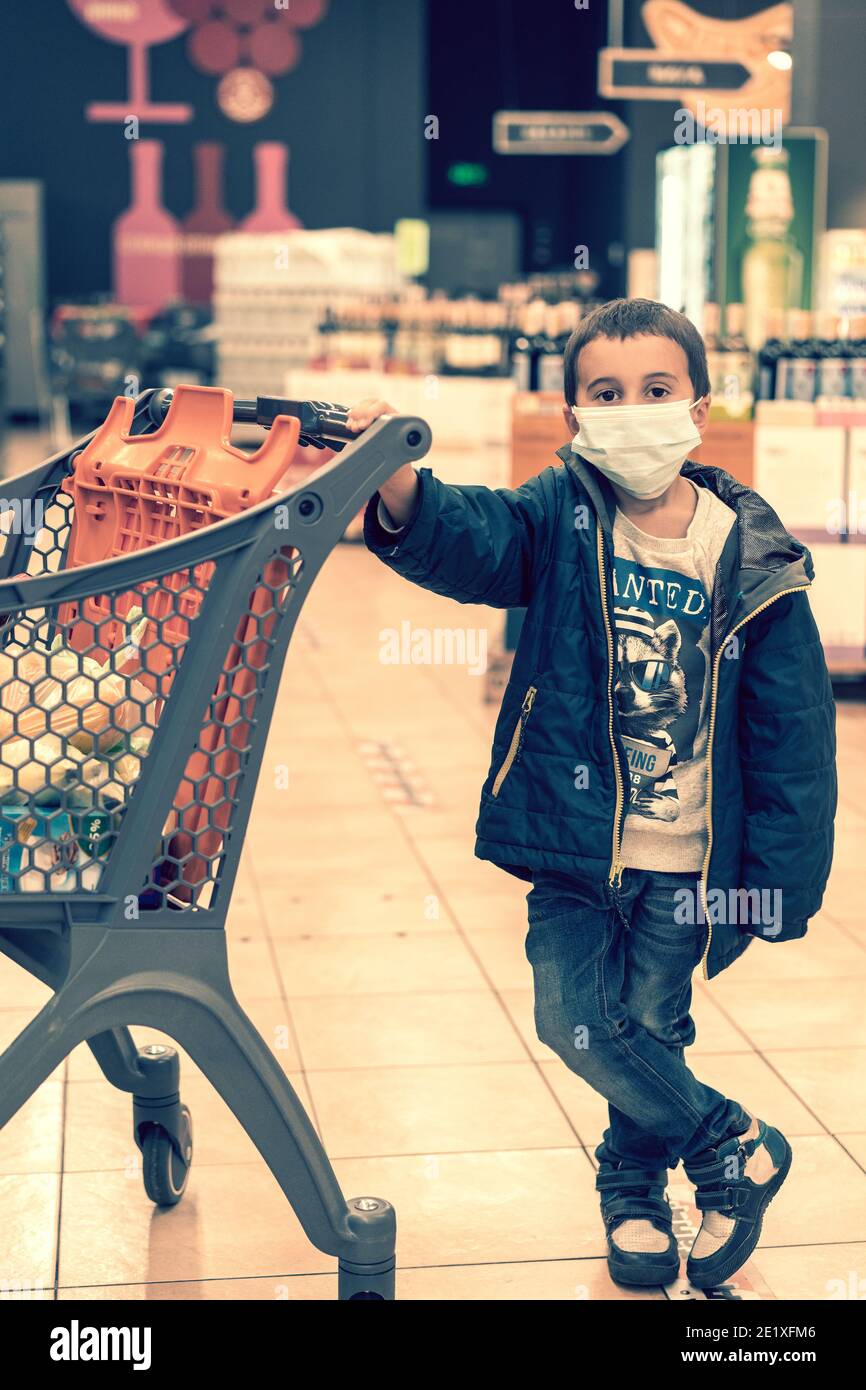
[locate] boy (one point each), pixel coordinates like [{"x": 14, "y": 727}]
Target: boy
[{"x": 663, "y": 766}]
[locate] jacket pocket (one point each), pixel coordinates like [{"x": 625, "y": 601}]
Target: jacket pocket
[{"x": 516, "y": 745}]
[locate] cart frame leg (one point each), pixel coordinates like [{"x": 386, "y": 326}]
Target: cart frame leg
[{"x": 113, "y": 980}]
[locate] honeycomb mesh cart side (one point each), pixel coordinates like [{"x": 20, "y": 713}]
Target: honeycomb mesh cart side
[{"x": 135, "y": 700}]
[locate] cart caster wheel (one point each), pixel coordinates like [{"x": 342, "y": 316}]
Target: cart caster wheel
[
  {"x": 353, "y": 1287},
  {"x": 166, "y": 1173}
]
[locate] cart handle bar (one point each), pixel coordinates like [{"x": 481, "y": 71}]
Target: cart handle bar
[{"x": 323, "y": 424}]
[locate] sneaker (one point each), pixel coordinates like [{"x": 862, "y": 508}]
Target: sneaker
[
  {"x": 641, "y": 1246},
  {"x": 734, "y": 1184}
]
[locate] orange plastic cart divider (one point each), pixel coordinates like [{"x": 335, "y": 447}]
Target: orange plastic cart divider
[{"x": 133, "y": 491}]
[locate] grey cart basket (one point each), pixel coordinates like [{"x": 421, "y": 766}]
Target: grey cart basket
[{"x": 150, "y": 582}]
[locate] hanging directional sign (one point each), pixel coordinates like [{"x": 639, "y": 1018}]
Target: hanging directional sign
[
  {"x": 558, "y": 132},
  {"x": 650, "y": 74}
]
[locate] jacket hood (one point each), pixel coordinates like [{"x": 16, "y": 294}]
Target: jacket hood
[{"x": 765, "y": 545}]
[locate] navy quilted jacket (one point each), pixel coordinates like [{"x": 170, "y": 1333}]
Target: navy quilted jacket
[{"x": 547, "y": 546}]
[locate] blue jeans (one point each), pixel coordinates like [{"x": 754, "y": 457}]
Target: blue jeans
[{"x": 612, "y": 972}]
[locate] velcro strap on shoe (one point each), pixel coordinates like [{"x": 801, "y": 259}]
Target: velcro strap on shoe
[
  {"x": 634, "y": 1208},
  {"x": 631, "y": 1177},
  {"x": 709, "y": 1173},
  {"x": 726, "y": 1199}
]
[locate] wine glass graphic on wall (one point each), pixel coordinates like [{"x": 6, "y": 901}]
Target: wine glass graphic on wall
[{"x": 139, "y": 24}]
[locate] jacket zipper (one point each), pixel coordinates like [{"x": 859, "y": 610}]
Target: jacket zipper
[
  {"x": 528, "y": 699},
  {"x": 709, "y": 755},
  {"x": 615, "y": 875}
]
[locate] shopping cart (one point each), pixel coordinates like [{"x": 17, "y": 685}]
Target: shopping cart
[{"x": 150, "y": 583}]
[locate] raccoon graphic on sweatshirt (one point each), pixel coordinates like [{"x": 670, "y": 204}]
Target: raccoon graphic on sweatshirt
[{"x": 662, "y": 603}]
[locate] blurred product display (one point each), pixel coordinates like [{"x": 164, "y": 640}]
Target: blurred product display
[
  {"x": 842, "y": 272},
  {"x": 271, "y": 293},
  {"x": 802, "y": 356},
  {"x": 99, "y": 351},
  {"x": 821, "y": 358},
  {"x": 416, "y": 334},
  {"x": 179, "y": 346},
  {"x": 22, "y": 216},
  {"x": 96, "y": 354},
  {"x": 463, "y": 314}
]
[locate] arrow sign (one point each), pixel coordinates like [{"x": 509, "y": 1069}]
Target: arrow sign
[
  {"x": 558, "y": 132},
  {"x": 650, "y": 74}
]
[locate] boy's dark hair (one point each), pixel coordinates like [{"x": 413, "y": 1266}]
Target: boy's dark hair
[{"x": 626, "y": 318}]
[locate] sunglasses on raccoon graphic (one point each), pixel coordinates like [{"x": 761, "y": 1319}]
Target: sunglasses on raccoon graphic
[{"x": 651, "y": 674}]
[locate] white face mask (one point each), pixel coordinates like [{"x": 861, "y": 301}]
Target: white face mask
[{"x": 641, "y": 448}]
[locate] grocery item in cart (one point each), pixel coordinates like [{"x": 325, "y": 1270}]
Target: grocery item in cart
[
  {"x": 72, "y": 734},
  {"x": 46, "y": 849},
  {"x": 74, "y": 696}
]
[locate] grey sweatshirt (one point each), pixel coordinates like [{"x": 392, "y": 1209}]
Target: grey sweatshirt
[{"x": 662, "y": 598}]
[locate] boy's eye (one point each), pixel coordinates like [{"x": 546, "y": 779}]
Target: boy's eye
[
  {"x": 607, "y": 395},
  {"x": 658, "y": 392}
]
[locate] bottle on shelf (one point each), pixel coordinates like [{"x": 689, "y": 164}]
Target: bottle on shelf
[
  {"x": 374, "y": 347},
  {"x": 550, "y": 361},
  {"x": 768, "y": 357},
  {"x": 454, "y": 333},
  {"x": 425, "y": 355},
  {"x": 795, "y": 371},
  {"x": 484, "y": 343},
  {"x": 857, "y": 360},
  {"x": 737, "y": 366},
  {"x": 387, "y": 307},
  {"x": 832, "y": 376},
  {"x": 552, "y": 364},
  {"x": 401, "y": 345},
  {"x": 498, "y": 321},
  {"x": 538, "y": 342},
  {"x": 525, "y": 353},
  {"x": 324, "y": 357}
]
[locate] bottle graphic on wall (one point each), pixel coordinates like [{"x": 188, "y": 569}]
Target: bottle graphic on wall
[
  {"x": 271, "y": 212},
  {"x": 205, "y": 222},
  {"x": 147, "y": 263},
  {"x": 771, "y": 271}
]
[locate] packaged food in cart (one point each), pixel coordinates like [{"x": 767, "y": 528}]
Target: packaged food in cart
[{"x": 72, "y": 732}]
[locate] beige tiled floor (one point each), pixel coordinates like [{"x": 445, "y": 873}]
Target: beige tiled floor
[{"x": 384, "y": 966}]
